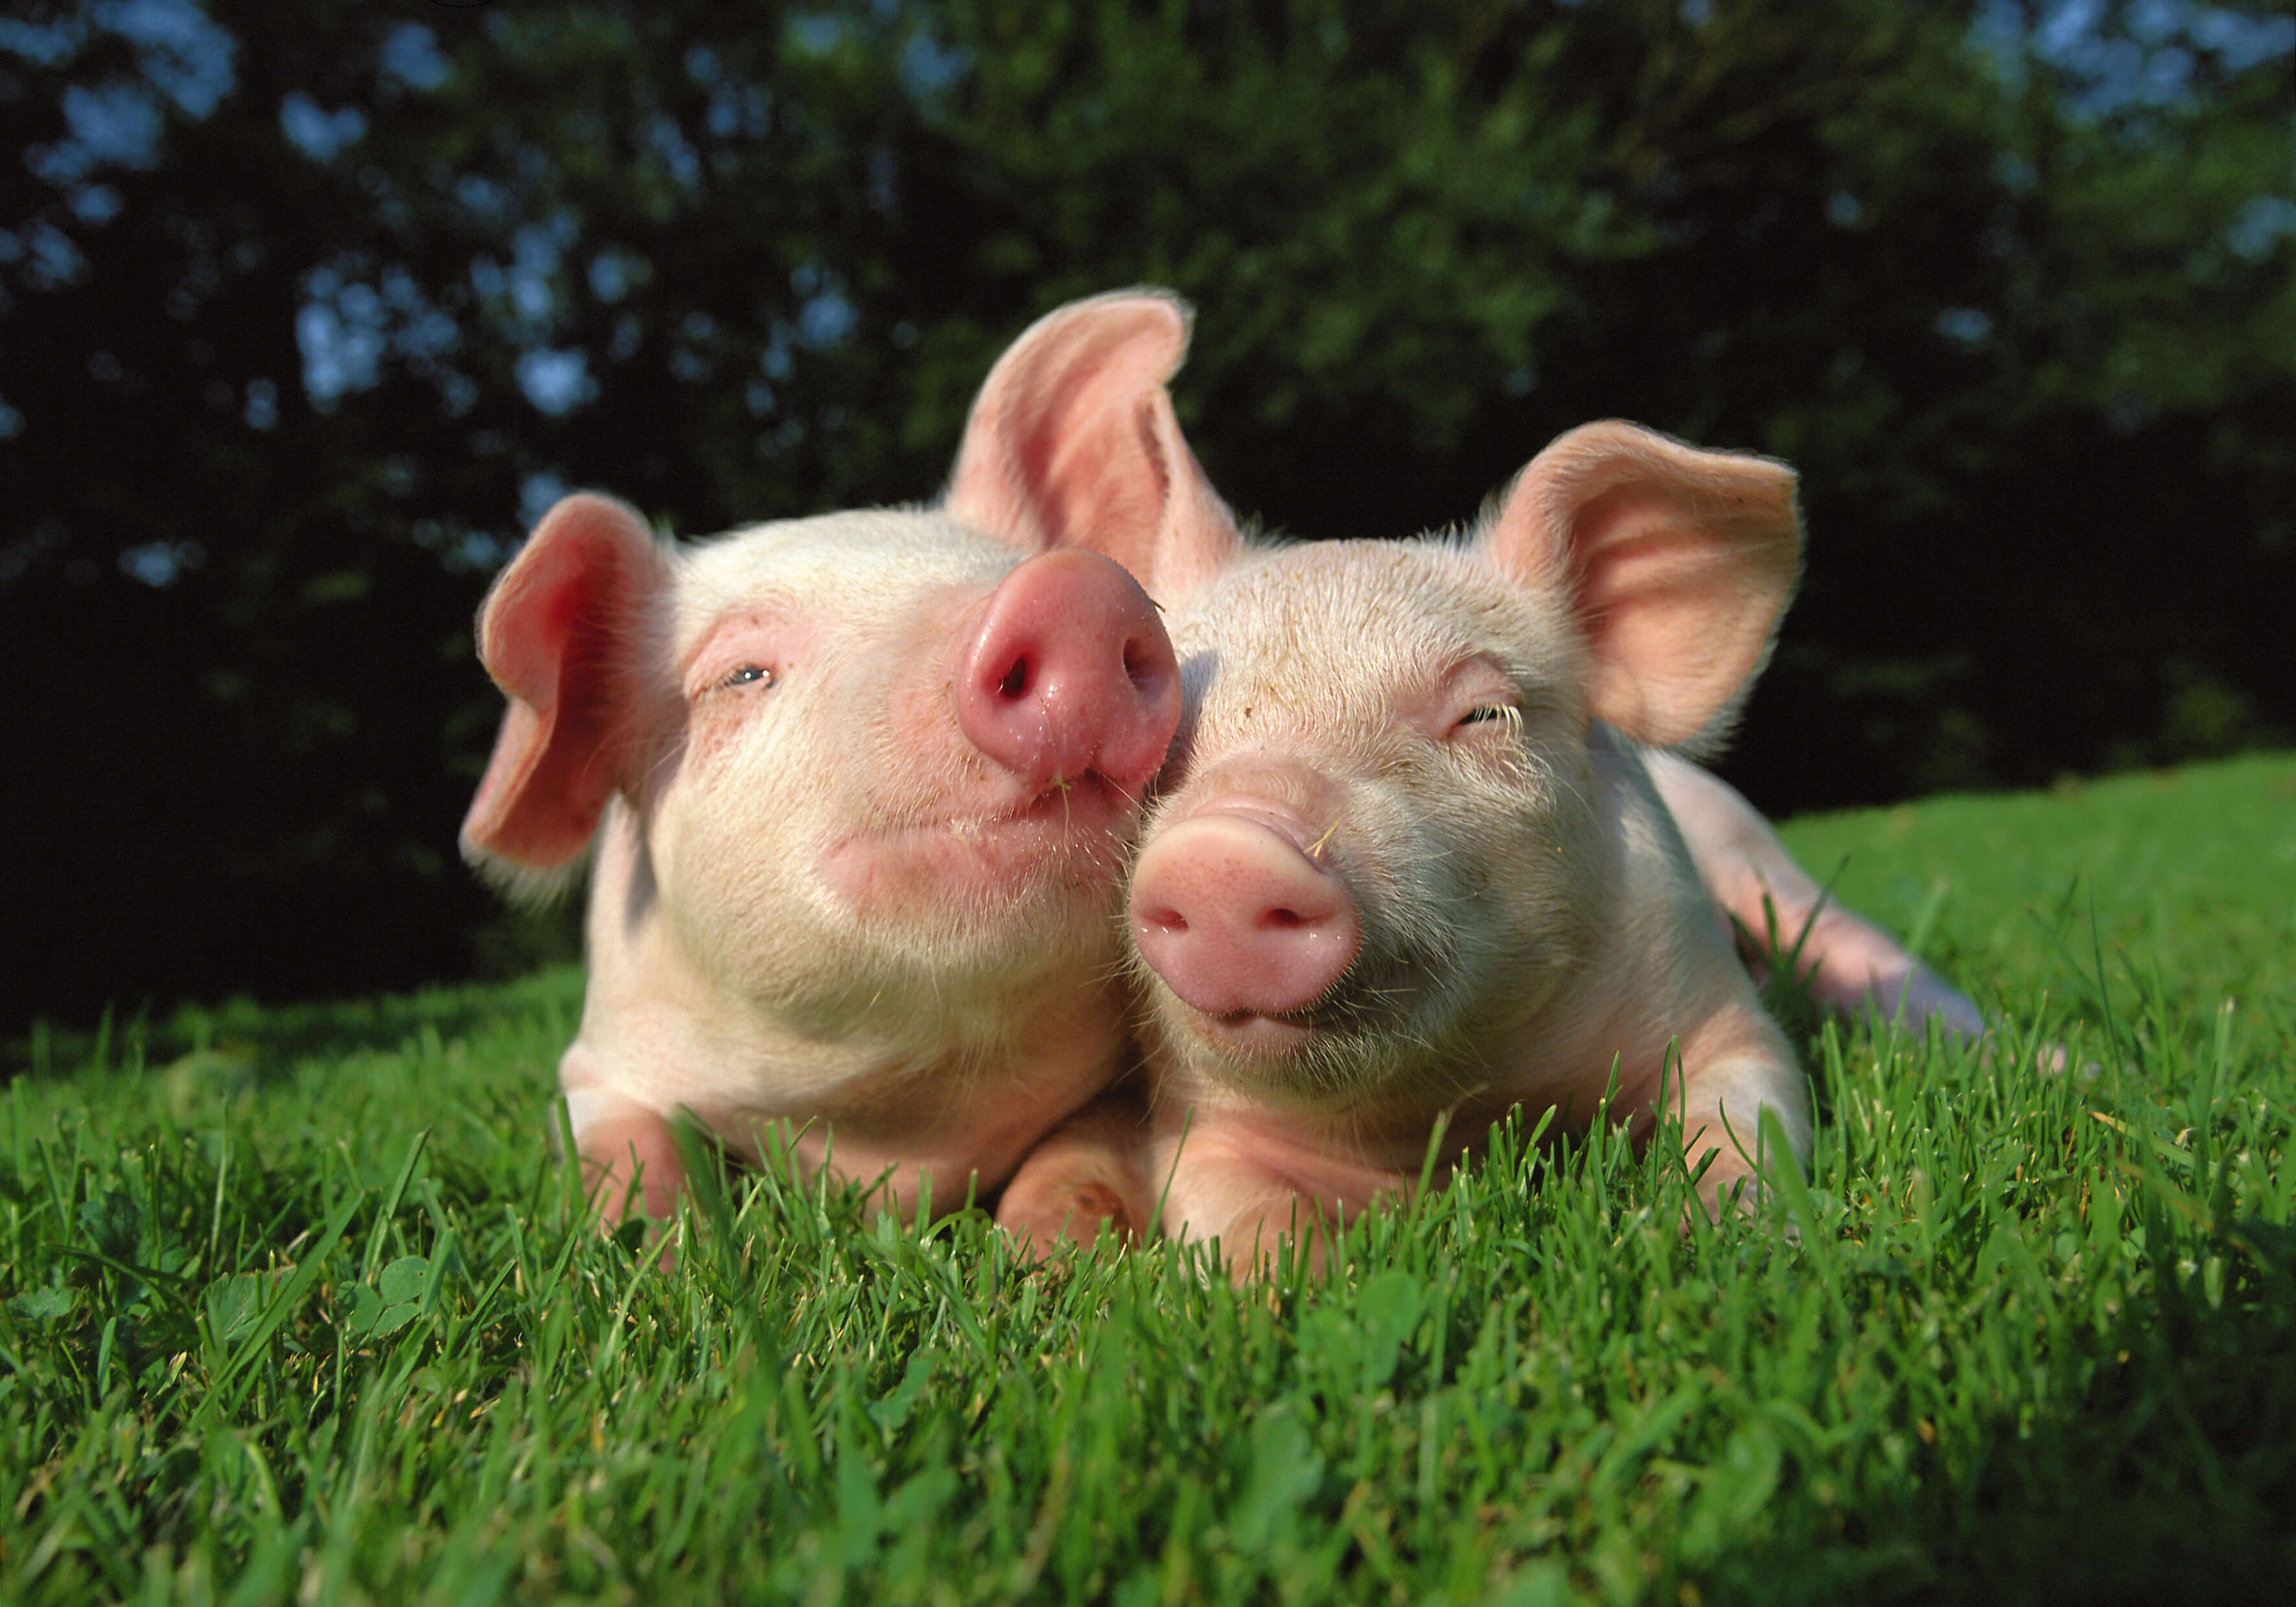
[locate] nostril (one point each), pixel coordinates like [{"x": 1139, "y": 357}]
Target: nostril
[
  {"x": 1164, "y": 920},
  {"x": 1014, "y": 686},
  {"x": 1141, "y": 668},
  {"x": 1281, "y": 920}
]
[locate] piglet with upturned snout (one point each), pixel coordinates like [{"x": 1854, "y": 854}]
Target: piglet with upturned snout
[
  {"x": 1409, "y": 866},
  {"x": 859, "y": 789}
]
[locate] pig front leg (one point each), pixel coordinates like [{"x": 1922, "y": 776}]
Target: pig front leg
[
  {"x": 1255, "y": 1191},
  {"x": 1733, "y": 1066},
  {"x": 629, "y": 1157},
  {"x": 1093, "y": 1169},
  {"x": 1108, "y": 1165},
  {"x": 1852, "y": 964}
]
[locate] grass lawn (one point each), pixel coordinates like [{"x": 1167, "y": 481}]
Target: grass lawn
[{"x": 297, "y": 1305}]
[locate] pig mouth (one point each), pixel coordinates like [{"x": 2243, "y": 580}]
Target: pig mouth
[
  {"x": 1269, "y": 1037},
  {"x": 1306, "y": 1060},
  {"x": 1365, "y": 1031},
  {"x": 1085, "y": 812},
  {"x": 1264, "y": 1036},
  {"x": 1071, "y": 835}
]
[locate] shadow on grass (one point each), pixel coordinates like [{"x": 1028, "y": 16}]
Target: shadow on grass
[
  {"x": 2168, "y": 1477},
  {"x": 241, "y": 1040}
]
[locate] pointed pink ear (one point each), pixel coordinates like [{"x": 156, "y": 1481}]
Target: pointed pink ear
[
  {"x": 1073, "y": 442},
  {"x": 1678, "y": 564},
  {"x": 556, "y": 633}
]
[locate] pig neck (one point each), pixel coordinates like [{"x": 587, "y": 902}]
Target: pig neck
[
  {"x": 969, "y": 1098},
  {"x": 1648, "y": 974}
]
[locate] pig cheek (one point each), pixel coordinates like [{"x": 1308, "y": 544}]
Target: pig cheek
[
  {"x": 1549, "y": 887},
  {"x": 1489, "y": 914},
  {"x": 743, "y": 815},
  {"x": 919, "y": 767},
  {"x": 1427, "y": 906}
]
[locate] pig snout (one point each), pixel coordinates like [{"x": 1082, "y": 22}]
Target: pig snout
[
  {"x": 1070, "y": 673},
  {"x": 1237, "y": 917}
]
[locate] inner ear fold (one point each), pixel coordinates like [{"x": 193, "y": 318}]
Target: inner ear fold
[
  {"x": 1073, "y": 442},
  {"x": 561, "y": 632},
  {"x": 1677, "y": 563}
]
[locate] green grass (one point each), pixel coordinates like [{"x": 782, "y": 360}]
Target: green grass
[{"x": 298, "y": 1306}]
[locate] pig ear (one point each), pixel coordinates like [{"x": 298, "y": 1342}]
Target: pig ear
[
  {"x": 1678, "y": 563},
  {"x": 1073, "y": 442},
  {"x": 557, "y": 632}
]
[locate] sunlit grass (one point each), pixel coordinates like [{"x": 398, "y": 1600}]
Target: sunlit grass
[{"x": 301, "y": 1305}]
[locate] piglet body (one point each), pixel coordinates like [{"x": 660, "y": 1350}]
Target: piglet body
[
  {"x": 1410, "y": 867},
  {"x": 859, "y": 789}
]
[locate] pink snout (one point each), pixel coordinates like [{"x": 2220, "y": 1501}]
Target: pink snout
[
  {"x": 1233, "y": 914},
  {"x": 1070, "y": 673}
]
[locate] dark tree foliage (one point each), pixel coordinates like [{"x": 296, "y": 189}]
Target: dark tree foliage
[{"x": 307, "y": 307}]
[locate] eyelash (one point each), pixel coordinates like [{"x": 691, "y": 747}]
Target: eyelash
[{"x": 1485, "y": 713}]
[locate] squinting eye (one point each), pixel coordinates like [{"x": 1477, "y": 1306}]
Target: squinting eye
[
  {"x": 749, "y": 674},
  {"x": 1484, "y": 714}
]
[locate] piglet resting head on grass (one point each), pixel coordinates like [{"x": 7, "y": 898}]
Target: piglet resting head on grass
[
  {"x": 1408, "y": 865},
  {"x": 858, "y": 789}
]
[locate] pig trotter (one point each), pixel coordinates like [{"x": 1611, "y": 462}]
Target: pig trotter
[
  {"x": 1088, "y": 1173},
  {"x": 630, "y": 1163}
]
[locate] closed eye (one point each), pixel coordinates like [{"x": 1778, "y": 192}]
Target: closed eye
[{"x": 1491, "y": 713}]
